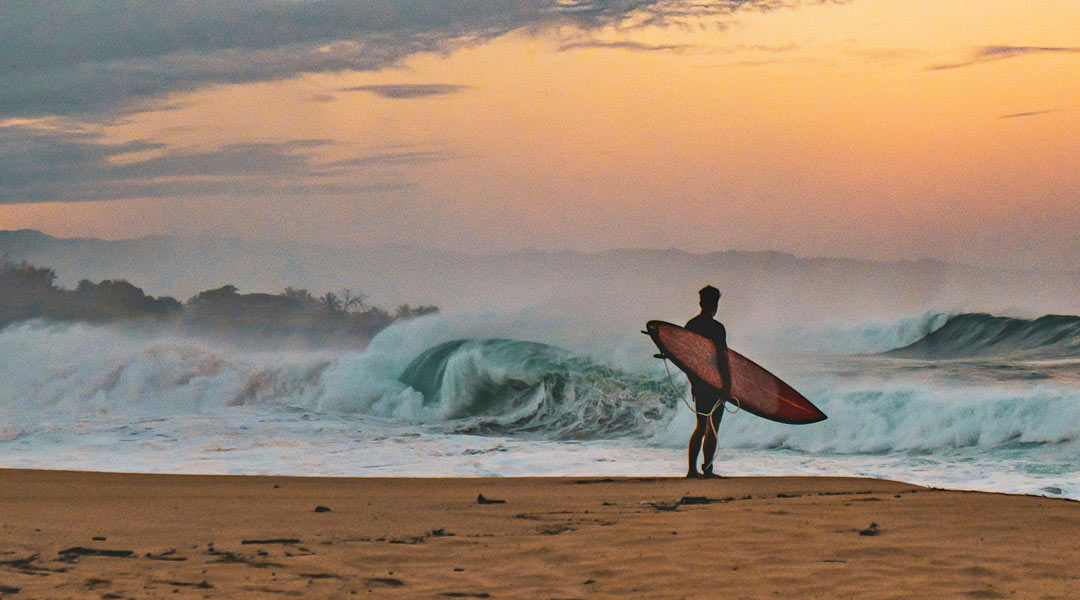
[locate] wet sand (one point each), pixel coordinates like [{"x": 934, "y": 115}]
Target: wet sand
[{"x": 103, "y": 535}]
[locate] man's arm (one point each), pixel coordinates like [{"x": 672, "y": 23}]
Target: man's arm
[
  {"x": 722, "y": 361},
  {"x": 724, "y": 365}
]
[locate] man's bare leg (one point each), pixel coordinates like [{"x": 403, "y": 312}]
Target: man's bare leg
[
  {"x": 710, "y": 443},
  {"x": 695, "y": 445}
]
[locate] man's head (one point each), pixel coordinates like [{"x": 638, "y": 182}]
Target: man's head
[{"x": 710, "y": 297}]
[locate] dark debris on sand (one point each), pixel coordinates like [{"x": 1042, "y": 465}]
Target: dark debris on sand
[
  {"x": 168, "y": 555},
  {"x": 19, "y": 563},
  {"x": 554, "y": 529},
  {"x": 686, "y": 500},
  {"x": 77, "y": 551},
  {"x": 26, "y": 566},
  {"x": 871, "y": 530},
  {"x": 224, "y": 556},
  {"x": 202, "y": 585},
  {"x": 387, "y": 581}
]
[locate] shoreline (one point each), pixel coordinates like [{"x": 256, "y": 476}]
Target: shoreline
[
  {"x": 120, "y": 535},
  {"x": 600, "y": 478}
]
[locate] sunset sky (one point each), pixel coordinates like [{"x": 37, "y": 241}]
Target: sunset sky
[{"x": 886, "y": 129}]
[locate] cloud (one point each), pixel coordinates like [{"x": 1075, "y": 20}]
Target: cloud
[
  {"x": 993, "y": 53},
  {"x": 96, "y": 58},
  {"x": 1029, "y": 113},
  {"x": 125, "y": 85},
  {"x": 404, "y": 91},
  {"x": 790, "y": 47},
  {"x": 635, "y": 46},
  {"x": 415, "y": 157},
  {"x": 68, "y": 69},
  {"x": 773, "y": 62},
  {"x": 41, "y": 165}
]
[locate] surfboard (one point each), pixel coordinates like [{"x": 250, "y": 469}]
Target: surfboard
[{"x": 757, "y": 391}]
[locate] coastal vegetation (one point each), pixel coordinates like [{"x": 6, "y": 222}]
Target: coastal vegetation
[{"x": 30, "y": 292}]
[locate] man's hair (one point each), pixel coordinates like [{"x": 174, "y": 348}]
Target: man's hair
[{"x": 710, "y": 296}]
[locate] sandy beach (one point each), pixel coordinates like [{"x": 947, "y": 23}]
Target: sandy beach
[{"x": 105, "y": 535}]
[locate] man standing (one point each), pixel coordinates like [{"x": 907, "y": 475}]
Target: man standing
[{"x": 708, "y": 401}]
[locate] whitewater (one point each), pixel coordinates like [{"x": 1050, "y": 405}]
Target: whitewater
[{"x": 963, "y": 401}]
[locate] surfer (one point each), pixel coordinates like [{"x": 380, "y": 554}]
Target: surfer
[{"x": 708, "y": 401}]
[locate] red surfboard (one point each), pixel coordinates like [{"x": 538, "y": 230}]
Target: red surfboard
[{"x": 756, "y": 390}]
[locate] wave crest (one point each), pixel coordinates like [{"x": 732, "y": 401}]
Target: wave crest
[
  {"x": 919, "y": 419},
  {"x": 981, "y": 335},
  {"x": 503, "y": 386}
]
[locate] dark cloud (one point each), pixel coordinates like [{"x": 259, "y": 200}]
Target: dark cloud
[
  {"x": 56, "y": 166},
  {"x": 97, "y": 61},
  {"x": 404, "y": 91},
  {"x": 636, "y": 46},
  {"x": 1029, "y": 113},
  {"x": 993, "y": 53},
  {"x": 104, "y": 57},
  {"x": 119, "y": 86}
]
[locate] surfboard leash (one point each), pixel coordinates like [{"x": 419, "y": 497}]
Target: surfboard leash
[{"x": 719, "y": 402}]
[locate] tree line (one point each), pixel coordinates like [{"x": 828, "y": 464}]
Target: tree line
[{"x": 30, "y": 292}]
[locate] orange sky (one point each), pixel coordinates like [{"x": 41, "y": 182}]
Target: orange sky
[{"x": 875, "y": 128}]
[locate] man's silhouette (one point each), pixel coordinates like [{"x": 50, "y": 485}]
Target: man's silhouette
[{"x": 708, "y": 401}]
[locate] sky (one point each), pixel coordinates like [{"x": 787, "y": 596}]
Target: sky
[{"x": 879, "y": 129}]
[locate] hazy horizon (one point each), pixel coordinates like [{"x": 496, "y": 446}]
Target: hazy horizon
[
  {"x": 588, "y": 301},
  {"x": 283, "y": 242}
]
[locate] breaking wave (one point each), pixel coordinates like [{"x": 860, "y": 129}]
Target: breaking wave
[
  {"x": 495, "y": 386},
  {"x": 501, "y": 386},
  {"x": 983, "y": 335},
  {"x": 428, "y": 376},
  {"x": 914, "y": 418}
]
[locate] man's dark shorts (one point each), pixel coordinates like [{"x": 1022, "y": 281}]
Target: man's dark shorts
[{"x": 705, "y": 398}]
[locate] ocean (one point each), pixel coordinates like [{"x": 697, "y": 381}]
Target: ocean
[{"x": 965, "y": 401}]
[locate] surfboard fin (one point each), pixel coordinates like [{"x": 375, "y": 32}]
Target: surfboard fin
[{"x": 660, "y": 356}]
